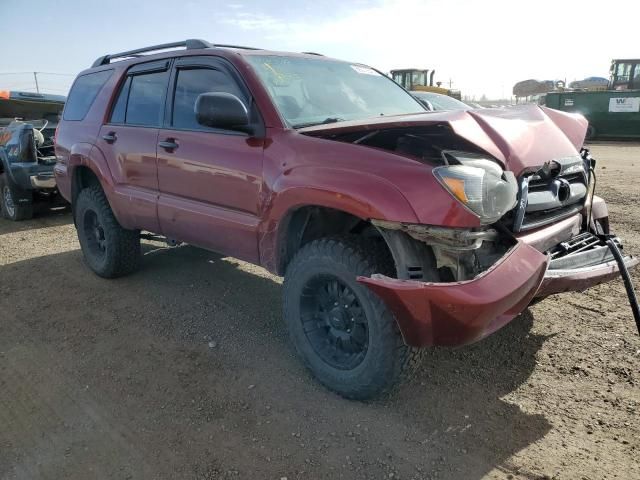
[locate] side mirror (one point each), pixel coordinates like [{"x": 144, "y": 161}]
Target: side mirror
[{"x": 222, "y": 110}]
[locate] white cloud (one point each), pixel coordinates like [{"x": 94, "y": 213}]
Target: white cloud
[
  {"x": 485, "y": 47},
  {"x": 255, "y": 21}
]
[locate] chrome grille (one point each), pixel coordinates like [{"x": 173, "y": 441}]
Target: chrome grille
[{"x": 552, "y": 193}]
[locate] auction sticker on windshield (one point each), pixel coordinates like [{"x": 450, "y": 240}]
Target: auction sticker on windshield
[{"x": 364, "y": 70}]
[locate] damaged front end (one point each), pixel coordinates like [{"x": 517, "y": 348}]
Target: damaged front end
[
  {"x": 535, "y": 227},
  {"x": 455, "y": 286}
]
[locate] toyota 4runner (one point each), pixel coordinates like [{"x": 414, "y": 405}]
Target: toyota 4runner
[{"x": 394, "y": 228}]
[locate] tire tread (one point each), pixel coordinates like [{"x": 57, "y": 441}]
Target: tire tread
[
  {"x": 362, "y": 258},
  {"x": 126, "y": 243}
]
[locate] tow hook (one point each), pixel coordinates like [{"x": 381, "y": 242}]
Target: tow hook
[{"x": 628, "y": 285}]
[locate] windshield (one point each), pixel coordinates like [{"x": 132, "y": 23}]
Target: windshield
[
  {"x": 310, "y": 91},
  {"x": 442, "y": 102}
]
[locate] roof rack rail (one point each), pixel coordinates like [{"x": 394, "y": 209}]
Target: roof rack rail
[
  {"x": 190, "y": 44},
  {"x": 313, "y": 53},
  {"x": 222, "y": 45}
]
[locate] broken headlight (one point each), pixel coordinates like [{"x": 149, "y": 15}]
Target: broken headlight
[{"x": 480, "y": 184}]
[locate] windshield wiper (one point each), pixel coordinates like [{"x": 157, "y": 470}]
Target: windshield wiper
[{"x": 324, "y": 122}]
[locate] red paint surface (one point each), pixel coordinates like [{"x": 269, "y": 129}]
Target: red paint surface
[{"x": 231, "y": 193}]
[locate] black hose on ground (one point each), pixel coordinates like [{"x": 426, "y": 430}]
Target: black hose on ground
[{"x": 633, "y": 301}]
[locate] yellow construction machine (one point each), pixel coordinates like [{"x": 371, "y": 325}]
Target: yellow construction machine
[{"x": 413, "y": 79}]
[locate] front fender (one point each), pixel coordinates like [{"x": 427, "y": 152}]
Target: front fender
[{"x": 360, "y": 194}]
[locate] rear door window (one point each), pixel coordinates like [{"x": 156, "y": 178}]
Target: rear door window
[
  {"x": 146, "y": 99},
  {"x": 141, "y": 100},
  {"x": 83, "y": 93}
]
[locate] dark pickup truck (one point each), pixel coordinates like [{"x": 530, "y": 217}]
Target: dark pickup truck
[
  {"x": 27, "y": 128},
  {"x": 394, "y": 227}
]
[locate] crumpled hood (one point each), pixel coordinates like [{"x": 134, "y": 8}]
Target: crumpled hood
[{"x": 521, "y": 138}]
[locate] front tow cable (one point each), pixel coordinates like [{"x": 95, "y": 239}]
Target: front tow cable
[{"x": 633, "y": 301}]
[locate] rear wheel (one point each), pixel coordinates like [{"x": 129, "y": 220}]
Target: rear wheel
[
  {"x": 109, "y": 250},
  {"x": 342, "y": 331},
  {"x": 17, "y": 204}
]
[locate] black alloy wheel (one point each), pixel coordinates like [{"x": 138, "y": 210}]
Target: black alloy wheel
[
  {"x": 334, "y": 322},
  {"x": 94, "y": 234}
]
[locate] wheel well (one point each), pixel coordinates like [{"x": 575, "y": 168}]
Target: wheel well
[
  {"x": 312, "y": 222},
  {"x": 83, "y": 177}
]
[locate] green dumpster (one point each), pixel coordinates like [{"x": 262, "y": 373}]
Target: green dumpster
[{"x": 610, "y": 113}]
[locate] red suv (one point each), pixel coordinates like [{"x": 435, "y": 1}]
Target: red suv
[{"x": 394, "y": 227}]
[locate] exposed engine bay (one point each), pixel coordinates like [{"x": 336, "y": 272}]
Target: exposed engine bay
[
  {"x": 437, "y": 254},
  {"x": 556, "y": 190},
  {"x": 424, "y": 143}
]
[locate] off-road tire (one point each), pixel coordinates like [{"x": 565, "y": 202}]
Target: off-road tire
[
  {"x": 387, "y": 358},
  {"x": 121, "y": 254},
  {"x": 19, "y": 210}
]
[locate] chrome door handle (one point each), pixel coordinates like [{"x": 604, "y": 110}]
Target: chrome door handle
[
  {"x": 110, "y": 137},
  {"x": 168, "y": 144}
]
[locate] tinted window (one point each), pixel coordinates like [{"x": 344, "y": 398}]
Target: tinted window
[
  {"x": 120, "y": 108},
  {"x": 83, "y": 93},
  {"x": 146, "y": 99},
  {"x": 191, "y": 83}
]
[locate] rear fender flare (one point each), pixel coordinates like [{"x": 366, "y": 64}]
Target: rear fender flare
[{"x": 87, "y": 155}]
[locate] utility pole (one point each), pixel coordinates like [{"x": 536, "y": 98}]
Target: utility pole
[{"x": 35, "y": 76}]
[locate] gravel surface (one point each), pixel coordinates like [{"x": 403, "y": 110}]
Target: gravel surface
[{"x": 183, "y": 370}]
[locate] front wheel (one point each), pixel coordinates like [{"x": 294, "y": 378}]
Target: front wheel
[
  {"x": 109, "y": 250},
  {"x": 341, "y": 330}
]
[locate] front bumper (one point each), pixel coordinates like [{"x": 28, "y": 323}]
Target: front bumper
[
  {"x": 581, "y": 277},
  {"x": 459, "y": 313}
]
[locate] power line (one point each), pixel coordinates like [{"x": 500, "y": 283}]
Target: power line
[{"x": 39, "y": 73}]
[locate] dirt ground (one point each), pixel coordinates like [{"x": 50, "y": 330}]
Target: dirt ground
[{"x": 183, "y": 371}]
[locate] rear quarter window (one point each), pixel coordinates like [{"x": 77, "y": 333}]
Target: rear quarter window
[{"x": 83, "y": 93}]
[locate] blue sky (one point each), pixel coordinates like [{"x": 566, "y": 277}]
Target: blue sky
[{"x": 483, "y": 46}]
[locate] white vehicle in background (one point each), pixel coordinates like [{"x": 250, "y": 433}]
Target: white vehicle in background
[{"x": 438, "y": 102}]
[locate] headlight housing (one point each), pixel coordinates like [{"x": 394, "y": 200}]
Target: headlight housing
[{"x": 480, "y": 184}]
